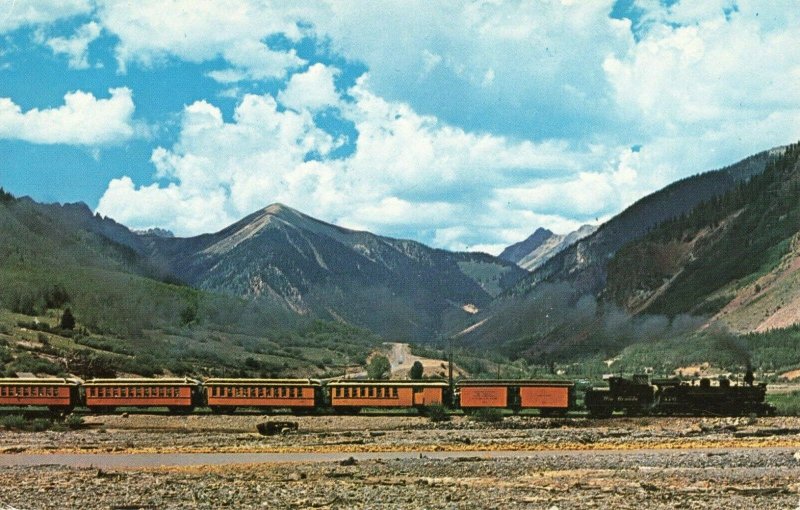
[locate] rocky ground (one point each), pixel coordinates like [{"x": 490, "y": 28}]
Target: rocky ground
[{"x": 620, "y": 463}]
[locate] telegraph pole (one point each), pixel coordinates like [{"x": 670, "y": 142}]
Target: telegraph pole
[{"x": 450, "y": 369}]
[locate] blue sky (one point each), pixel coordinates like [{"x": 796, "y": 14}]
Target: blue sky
[{"x": 465, "y": 125}]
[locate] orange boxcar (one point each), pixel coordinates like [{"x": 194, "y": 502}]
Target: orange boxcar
[
  {"x": 57, "y": 394},
  {"x": 545, "y": 395},
  {"x": 177, "y": 394},
  {"x": 228, "y": 394},
  {"x": 483, "y": 396},
  {"x": 358, "y": 394}
]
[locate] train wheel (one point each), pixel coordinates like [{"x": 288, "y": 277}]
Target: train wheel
[
  {"x": 601, "y": 412},
  {"x": 181, "y": 409},
  {"x": 347, "y": 410},
  {"x": 60, "y": 411},
  {"x": 102, "y": 410}
]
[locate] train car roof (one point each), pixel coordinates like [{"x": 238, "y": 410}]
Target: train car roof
[
  {"x": 369, "y": 382},
  {"x": 141, "y": 381},
  {"x": 250, "y": 382},
  {"x": 43, "y": 381},
  {"x": 515, "y": 382}
]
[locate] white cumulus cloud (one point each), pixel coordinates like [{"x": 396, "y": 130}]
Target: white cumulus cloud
[
  {"x": 311, "y": 90},
  {"x": 76, "y": 48},
  {"x": 16, "y": 13},
  {"x": 150, "y": 31},
  {"x": 406, "y": 169},
  {"x": 83, "y": 119}
]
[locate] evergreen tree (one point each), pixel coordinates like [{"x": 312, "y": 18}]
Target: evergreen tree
[
  {"x": 67, "y": 320},
  {"x": 416, "y": 370}
]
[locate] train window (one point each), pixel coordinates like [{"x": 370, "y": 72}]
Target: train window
[
  {"x": 3, "y": 391},
  {"x": 394, "y": 393}
]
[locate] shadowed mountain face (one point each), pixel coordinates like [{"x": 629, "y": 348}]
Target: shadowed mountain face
[
  {"x": 562, "y": 305},
  {"x": 584, "y": 263},
  {"x": 398, "y": 288}
]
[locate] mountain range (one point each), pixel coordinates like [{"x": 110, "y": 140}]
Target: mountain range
[
  {"x": 718, "y": 249},
  {"x": 400, "y": 289},
  {"x": 678, "y": 258}
]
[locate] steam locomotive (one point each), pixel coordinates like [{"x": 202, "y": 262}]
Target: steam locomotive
[
  {"x": 672, "y": 397},
  {"x": 634, "y": 396}
]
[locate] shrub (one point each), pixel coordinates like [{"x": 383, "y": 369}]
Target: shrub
[
  {"x": 437, "y": 413},
  {"x": 488, "y": 415},
  {"x": 39, "y": 425},
  {"x": 13, "y": 422},
  {"x": 73, "y": 421},
  {"x": 379, "y": 367}
]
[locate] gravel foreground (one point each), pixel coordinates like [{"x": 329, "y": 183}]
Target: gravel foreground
[{"x": 623, "y": 463}]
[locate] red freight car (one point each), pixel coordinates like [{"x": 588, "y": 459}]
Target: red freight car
[
  {"x": 59, "y": 395},
  {"x": 353, "y": 395},
  {"x": 176, "y": 394},
  {"x": 548, "y": 396},
  {"x": 296, "y": 394}
]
